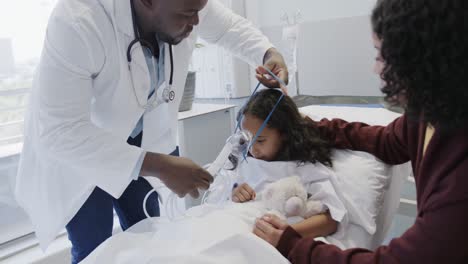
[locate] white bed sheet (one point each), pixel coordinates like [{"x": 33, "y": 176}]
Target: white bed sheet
[{"x": 207, "y": 234}]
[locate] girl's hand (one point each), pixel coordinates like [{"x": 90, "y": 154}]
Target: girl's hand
[
  {"x": 243, "y": 193},
  {"x": 270, "y": 228}
]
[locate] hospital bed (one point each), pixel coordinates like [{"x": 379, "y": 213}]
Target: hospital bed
[{"x": 151, "y": 243}]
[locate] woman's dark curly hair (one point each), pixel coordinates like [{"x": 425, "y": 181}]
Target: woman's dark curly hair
[
  {"x": 425, "y": 50},
  {"x": 302, "y": 139}
]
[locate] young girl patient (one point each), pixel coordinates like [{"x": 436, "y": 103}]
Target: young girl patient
[{"x": 287, "y": 137}]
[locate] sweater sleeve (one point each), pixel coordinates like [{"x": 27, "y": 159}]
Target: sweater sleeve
[
  {"x": 438, "y": 236},
  {"x": 386, "y": 143}
]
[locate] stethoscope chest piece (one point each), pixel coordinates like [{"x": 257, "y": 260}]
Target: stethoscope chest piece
[
  {"x": 168, "y": 94},
  {"x": 171, "y": 95}
]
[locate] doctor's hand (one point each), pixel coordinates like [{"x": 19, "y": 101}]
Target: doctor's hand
[
  {"x": 181, "y": 175},
  {"x": 270, "y": 228},
  {"x": 273, "y": 61}
]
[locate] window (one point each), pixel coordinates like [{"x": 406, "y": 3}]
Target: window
[
  {"x": 23, "y": 25},
  {"x": 22, "y": 28}
]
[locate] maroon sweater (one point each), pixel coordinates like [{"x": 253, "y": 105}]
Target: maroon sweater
[{"x": 440, "y": 232}]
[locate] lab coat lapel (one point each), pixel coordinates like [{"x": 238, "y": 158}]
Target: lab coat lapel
[
  {"x": 182, "y": 56},
  {"x": 158, "y": 128},
  {"x": 140, "y": 74},
  {"x": 160, "y": 124},
  {"x": 121, "y": 13}
]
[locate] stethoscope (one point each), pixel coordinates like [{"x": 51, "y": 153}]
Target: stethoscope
[{"x": 165, "y": 95}]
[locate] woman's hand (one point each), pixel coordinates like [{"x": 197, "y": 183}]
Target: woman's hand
[
  {"x": 243, "y": 193},
  {"x": 270, "y": 228}
]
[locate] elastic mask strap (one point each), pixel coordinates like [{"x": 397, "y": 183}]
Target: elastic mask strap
[
  {"x": 276, "y": 77},
  {"x": 241, "y": 116}
]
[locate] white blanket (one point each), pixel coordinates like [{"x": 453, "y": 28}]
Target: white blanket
[
  {"x": 208, "y": 233},
  {"x": 205, "y": 235}
]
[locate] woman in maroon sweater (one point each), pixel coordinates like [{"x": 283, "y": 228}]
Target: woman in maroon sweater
[{"x": 423, "y": 61}]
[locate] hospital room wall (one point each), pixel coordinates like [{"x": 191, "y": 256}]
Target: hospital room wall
[
  {"x": 267, "y": 13},
  {"x": 335, "y": 54}
]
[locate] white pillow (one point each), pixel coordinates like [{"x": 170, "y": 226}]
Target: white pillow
[
  {"x": 361, "y": 182},
  {"x": 362, "y": 178},
  {"x": 371, "y": 116},
  {"x": 380, "y": 188}
]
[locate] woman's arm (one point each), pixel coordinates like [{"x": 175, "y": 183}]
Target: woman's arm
[
  {"x": 439, "y": 236},
  {"x": 320, "y": 225},
  {"x": 388, "y": 143}
]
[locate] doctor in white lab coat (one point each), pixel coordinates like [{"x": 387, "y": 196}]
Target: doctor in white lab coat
[{"x": 103, "y": 110}]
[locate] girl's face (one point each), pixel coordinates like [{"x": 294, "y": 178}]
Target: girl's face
[{"x": 268, "y": 143}]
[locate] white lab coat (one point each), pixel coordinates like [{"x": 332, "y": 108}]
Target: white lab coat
[{"x": 83, "y": 106}]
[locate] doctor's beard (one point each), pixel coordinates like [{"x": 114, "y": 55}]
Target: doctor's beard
[
  {"x": 170, "y": 39},
  {"x": 174, "y": 40}
]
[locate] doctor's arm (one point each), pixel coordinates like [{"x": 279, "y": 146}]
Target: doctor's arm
[
  {"x": 179, "y": 174},
  {"x": 66, "y": 136},
  {"x": 221, "y": 26}
]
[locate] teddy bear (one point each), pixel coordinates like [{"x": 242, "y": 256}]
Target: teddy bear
[{"x": 289, "y": 198}]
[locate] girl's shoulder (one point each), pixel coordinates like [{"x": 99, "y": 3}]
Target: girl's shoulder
[{"x": 311, "y": 172}]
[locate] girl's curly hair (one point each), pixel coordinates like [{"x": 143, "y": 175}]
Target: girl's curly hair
[
  {"x": 425, "y": 49},
  {"x": 302, "y": 139}
]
